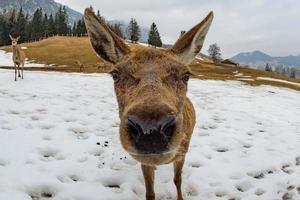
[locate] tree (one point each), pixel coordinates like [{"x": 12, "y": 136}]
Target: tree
[
  {"x": 182, "y": 33},
  {"x": 116, "y": 28},
  {"x": 214, "y": 52},
  {"x": 12, "y": 25},
  {"x": 80, "y": 29},
  {"x": 21, "y": 24},
  {"x": 268, "y": 68},
  {"x": 100, "y": 16},
  {"x": 37, "y": 25},
  {"x": 61, "y": 21},
  {"x": 133, "y": 31},
  {"x": 154, "y": 37},
  {"x": 51, "y": 26},
  {"x": 293, "y": 73},
  {"x": 91, "y": 7},
  {"x": 45, "y": 25}
]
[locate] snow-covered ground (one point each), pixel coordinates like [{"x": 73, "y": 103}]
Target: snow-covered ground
[
  {"x": 277, "y": 80},
  {"x": 6, "y": 60},
  {"x": 59, "y": 140}
]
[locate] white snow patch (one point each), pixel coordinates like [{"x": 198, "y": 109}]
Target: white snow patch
[
  {"x": 6, "y": 60},
  {"x": 59, "y": 140},
  {"x": 200, "y": 58},
  {"x": 239, "y": 74},
  {"x": 245, "y": 79},
  {"x": 277, "y": 80}
]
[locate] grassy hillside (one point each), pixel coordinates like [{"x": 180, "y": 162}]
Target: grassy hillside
[{"x": 63, "y": 52}]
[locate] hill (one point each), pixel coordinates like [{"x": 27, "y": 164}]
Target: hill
[
  {"x": 259, "y": 59},
  {"x": 61, "y": 53},
  {"x": 48, "y": 6}
]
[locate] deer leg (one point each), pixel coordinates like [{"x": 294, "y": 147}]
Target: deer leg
[
  {"x": 15, "y": 72},
  {"x": 19, "y": 74},
  {"x": 22, "y": 70},
  {"x": 178, "y": 164},
  {"x": 148, "y": 172}
]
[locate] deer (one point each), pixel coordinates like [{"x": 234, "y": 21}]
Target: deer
[
  {"x": 156, "y": 116},
  {"x": 18, "y": 57},
  {"x": 80, "y": 65}
]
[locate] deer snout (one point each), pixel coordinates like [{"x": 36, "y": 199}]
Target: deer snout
[{"x": 151, "y": 137}]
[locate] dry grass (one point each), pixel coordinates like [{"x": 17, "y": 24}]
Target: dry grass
[
  {"x": 208, "y": 70},
  {"x": 65, "y": 51},
  {"x": 61, "y": 51}
]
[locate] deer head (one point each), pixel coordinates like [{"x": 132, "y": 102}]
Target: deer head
[
  {"x": 14, "y": 41},
  {"x": 150, "y": 86}
]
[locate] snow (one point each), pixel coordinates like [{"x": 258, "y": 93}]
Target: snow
[
  {"x": 277, "y": 80},
  {"x": 59, "y": 140},
  {"x": 6, "y": 60},
  {"x": 200, "y": 58},
  {"x": 245, "y": 79},
  {"x": 239, "y": 74}
]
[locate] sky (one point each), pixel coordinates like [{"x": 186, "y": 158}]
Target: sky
[{"x": 271, "y": 26}]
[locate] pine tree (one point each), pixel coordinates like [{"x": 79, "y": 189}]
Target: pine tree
[
  {"x": 37, "y": 25},
  {"x": 293, "y": 73},
  {"x": 154, "y": 37},
  {"x": 133, "y": 31},
  {"x": 91, "y": 7},
  {"x": 21, "y": 24},
  {"x": 12, "y": 23},
  {"x": 100, "y": 16},
  {"x": 74, "y": 28},
  {"x": 51, "y": 26},
  {"x": 45, "y": 25},
  {"x": 268, "y": 68},
  {"x": 81, "y": 29},
  {"x": 61, "y": 21},
  {"x": 116, "y": 28},
  {"x": 182, "y": 33},
  {"x": 2, "y": 26}
]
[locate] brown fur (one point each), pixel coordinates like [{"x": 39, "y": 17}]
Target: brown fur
[
  {"x": 149, "y": 84},
  {"x": 80, "y": 65},
  {"x": 18, "y": 57}
]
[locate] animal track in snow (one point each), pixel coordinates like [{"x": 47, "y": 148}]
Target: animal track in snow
[
  {"x": 35, "y": 118},
  {"x": 46, "y": 126},
  {"x": 3, "y": 162},
  {"x": 42, "y": 110},
  {"x": 259, "y": 191},
  {"x": 50, "y": 153}
]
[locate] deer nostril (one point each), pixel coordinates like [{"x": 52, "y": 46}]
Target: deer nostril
[
  {"x": 151, "y": 136},
  {"x": 137, "y": 127},
  {"x": 134, "y": 128},
  {"x": 168, "y": 126}
]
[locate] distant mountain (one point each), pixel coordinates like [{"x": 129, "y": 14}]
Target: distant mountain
[
  {"x": 48, "y": 6},
  {"x": 259, "y": 60}
]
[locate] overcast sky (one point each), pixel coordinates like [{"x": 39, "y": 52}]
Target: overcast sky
[{"x": 272, "y": 26}]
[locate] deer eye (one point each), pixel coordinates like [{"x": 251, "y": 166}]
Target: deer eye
[
  {"x": 186, "y": 78},
  {"x": 115, "y": 75}
]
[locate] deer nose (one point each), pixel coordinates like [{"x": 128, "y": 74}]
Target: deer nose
[{"x": 151, "y": 136}]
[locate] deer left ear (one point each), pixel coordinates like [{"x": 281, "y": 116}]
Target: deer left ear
[
  {"x": 105, "y": 42},
  {"x": 11, "y": 37},
  {"x": 190, "y": 44}
]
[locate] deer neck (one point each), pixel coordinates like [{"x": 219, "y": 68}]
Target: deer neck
[{"x": 16, "y": 52}]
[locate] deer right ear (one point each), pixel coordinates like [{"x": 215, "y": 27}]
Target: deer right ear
[
  {"x": 11, "y": 37},
  {"x": 106, "y": 43}
]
